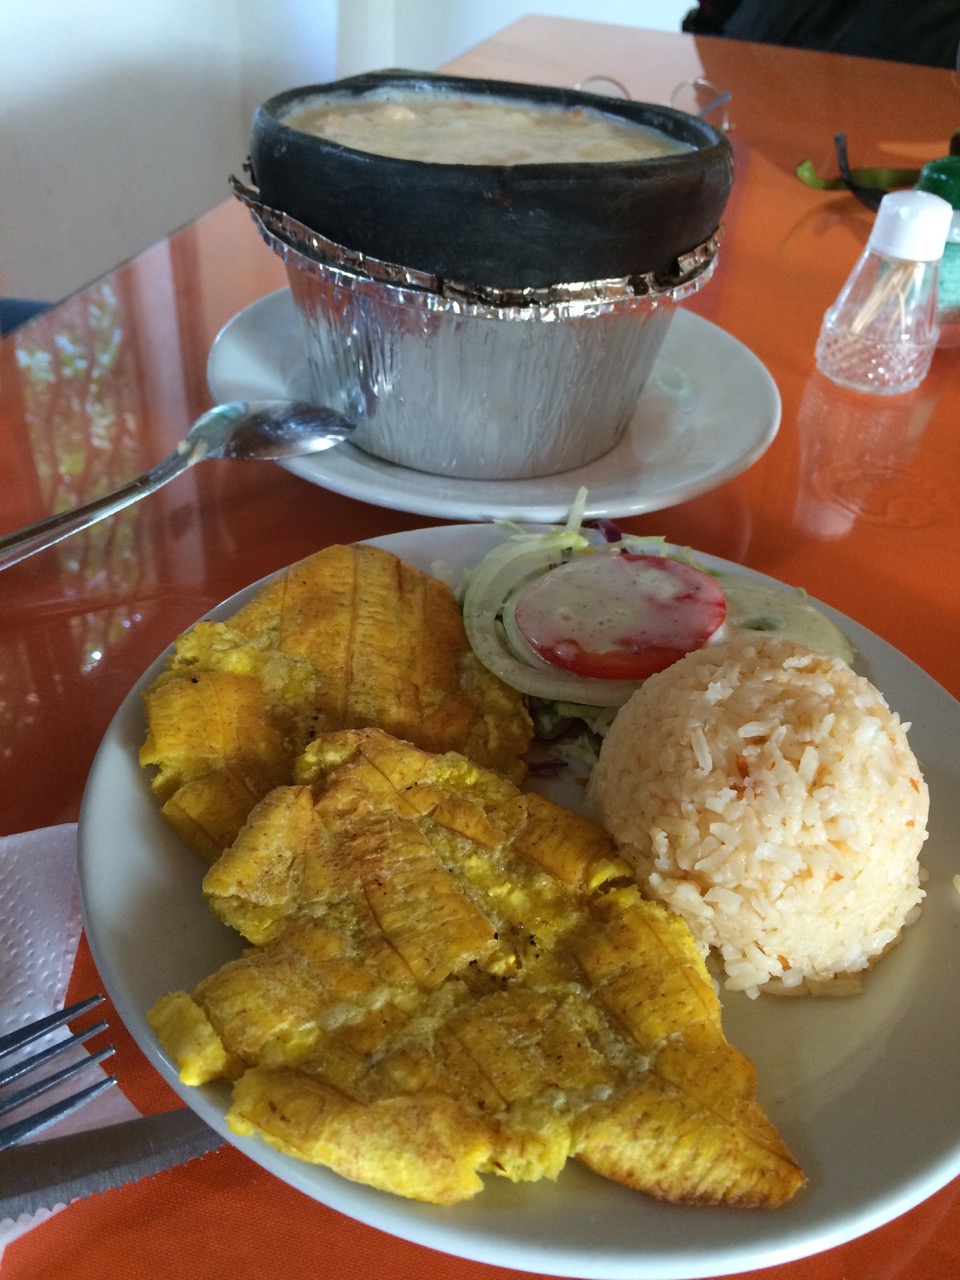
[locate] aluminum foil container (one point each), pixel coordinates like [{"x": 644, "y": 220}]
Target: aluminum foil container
[{"x": 487, "y": 384}]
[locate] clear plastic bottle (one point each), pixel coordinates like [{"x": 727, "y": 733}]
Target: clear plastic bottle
[{"x": 881, "y": 333}]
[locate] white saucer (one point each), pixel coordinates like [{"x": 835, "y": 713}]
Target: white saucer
[{"x": 710, "y": 410}]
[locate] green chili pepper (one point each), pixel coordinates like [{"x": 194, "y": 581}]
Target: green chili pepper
[
  {"x": 888, "y": 179},
  {"x": 868, "y": 185}
]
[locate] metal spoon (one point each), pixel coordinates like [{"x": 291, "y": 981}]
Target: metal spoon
[{"x": 260, "y": 429}]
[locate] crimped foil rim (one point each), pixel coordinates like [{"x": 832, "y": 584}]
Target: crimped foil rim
[{"x": 314, "y": 252}]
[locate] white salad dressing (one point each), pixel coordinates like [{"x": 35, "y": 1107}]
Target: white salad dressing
[
  {"x": 782, "y": 611},
  {"x": 627, "y": 606},
  {"x": 602, "y": 604}
]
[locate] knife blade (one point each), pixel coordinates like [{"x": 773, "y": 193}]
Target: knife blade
[{"x": 39, "y": 1175}]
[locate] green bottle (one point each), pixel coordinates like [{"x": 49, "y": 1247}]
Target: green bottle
[{"x": 942, "y": 178}]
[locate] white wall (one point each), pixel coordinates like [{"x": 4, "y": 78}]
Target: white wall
[{"x": 121, "y": 119}]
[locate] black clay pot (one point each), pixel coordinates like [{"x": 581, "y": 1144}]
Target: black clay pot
[{"x": 510, "y": 226}]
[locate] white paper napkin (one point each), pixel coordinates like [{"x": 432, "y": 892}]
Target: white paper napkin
[{"x": 39, "y": 931}]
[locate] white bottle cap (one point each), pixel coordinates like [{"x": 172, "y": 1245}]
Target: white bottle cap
[{"x": 912, "y": 225}]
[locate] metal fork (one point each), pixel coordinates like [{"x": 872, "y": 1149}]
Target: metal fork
[{"x": 15, "y": 1131}]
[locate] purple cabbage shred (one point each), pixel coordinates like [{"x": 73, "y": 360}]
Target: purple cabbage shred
[
  {"x": 610, "y": 531},
  {"x": 546, "y": 768}
]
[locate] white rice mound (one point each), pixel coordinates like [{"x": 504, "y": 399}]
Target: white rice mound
[{"x": 768, "y": 795}]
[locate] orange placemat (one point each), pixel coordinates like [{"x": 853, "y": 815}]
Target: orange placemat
[{"x": 224, "y": 1216}]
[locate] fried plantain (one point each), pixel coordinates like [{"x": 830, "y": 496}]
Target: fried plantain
[
  {"x": 449, "y": 978},
  {"x": 350, "y": 637}
]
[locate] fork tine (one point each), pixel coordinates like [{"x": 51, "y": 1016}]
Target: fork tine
[
  {"x": 25, "y": 1065},
  {"x": 30, "y": 1091},
  {"x": 34, "y": 1030},
  {"x": 11, "y": 1134}
]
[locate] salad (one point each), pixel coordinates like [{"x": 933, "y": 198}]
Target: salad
[{"x": 578, "y": 618}]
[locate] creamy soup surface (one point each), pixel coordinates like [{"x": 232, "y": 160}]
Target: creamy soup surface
[{"x": 447, "y": 129}]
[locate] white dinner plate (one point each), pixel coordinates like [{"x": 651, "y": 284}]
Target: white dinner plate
[
  {"x": 865, "y": 1091},
  {"x": 709, "y": 410}
]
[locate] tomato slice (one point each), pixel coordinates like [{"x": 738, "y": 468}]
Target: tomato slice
[{"x": 619, "y": 617}]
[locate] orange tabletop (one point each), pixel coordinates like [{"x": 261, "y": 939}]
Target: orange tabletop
[{"x": 857, "y": 500}]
